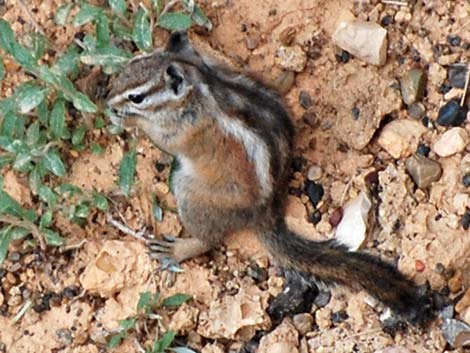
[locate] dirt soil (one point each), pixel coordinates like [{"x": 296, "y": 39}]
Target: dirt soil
[{"x": 81, "y": 293}]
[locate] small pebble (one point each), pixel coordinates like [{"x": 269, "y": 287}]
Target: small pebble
[
  {"x": 455, "y": 282},
  {"x": 322, "y": 299},
  {"x": 412, "y": 86},
  {"x": 11, "y": 278},
  {"x": 444, "y": 89},
  {"x": 344, "y": 57},
  {"x": 452, "y": 114},
  {"x": 455, "y": 41},
  {"x": 15, "y": 256},
  {"x": 336, "y": 217},
  {"x": 424, "y": 171},
  {"x": 356, "y": 113},
  {"x": 372, "y": 178},
  {"x": 416, "y": 110},
  {"x": 440, "y": 268},
  {"x": 315, "y": 192},
  {"x": 315, "y": 217},
  {"x": 451, "y": 142},
  {"x": 466, "y": 180},
  {"x": 287, "y": 36},
  {"x": 386, "y": 20},
  {"x": 463, "y": 303},
  {"x": 257, "y": 273},
  {"x": 305, "y": 100},
  {"x": 252, "y": 41},
  {"x": 314, "y": 173},
  {"x": 419, "y": 266},
  {"x": 339, "y": 316},
  {"x": 457, "y": 75},
  {"x": 466, "y": 220},
  {"x": 291, "y": 58},
  {"x": 284, "y": 82},
  {"x": 310, "y": 118},
  {"x": 423, "y": 150},
  {"x": 303, "y": 323}
]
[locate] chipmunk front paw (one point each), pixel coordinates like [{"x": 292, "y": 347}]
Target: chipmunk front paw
[{"x": 164, "y": 250}]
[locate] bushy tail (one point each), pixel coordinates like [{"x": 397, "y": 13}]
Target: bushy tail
[{"x": 330, "y": 262}]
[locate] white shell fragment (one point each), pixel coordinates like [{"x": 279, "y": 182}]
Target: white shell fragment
[
  {"x": 365, "y": 40},
  {"x": 352, "y": 229}
]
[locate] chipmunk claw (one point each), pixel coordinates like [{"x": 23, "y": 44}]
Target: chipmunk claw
[
  {"x": 170, "y": 264},
  {"x": 163, "y": 250}
]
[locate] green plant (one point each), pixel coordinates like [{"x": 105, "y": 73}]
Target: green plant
[
  {"x": 38, "y": 129},
  {"x": 147, "y": 305}
]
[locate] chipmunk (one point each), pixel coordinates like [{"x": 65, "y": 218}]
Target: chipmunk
[{"x": 233, "y": 138}]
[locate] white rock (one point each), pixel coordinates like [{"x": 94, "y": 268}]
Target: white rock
[
  {"x": 365, "y": 40},
  {"x": 451, "y": 142},
  {"x": 314, "y": 173},
  {"x": 400, "y": 137},
  {"x": 291, "y": 58},
  {"x": 352, "y": 229},
  {"x": 437, "y": 74}
]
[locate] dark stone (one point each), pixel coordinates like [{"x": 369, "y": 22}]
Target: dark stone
[
  {"x": 322, "y": 299},
  {"x": 426, "y": 122},
  {"x": 466, "y": 180},
  {"x": 305, "y": 100},
  {"x": 15, "y": 256},
  {"x": 457, "y": 75},
  {"x": 356, "y": 112},
  {"x": 297, "y": 297},
  {"x": 423, "y": 150},
  {"x": 336, "y": 217},
  {"x": 386, "y": 20},
  {"x": 315, "y": 217},
  {"x": 443, "y": 89},
  {"x": 71, "y": 291},
  {"x": 452, "y": 114},
  {"x": 344, "y": 57},
  {"x": 339, "y": 316},
  {"x": 257, "y": 273},
  {"x": 454, "y": 41},
  {"x": 160, "y": 167},
  {"x": 466, "y": 220},
  {"x": 315, "y": 192}
]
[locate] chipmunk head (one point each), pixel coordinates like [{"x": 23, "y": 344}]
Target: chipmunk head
[{"x": 154, "y": 91}]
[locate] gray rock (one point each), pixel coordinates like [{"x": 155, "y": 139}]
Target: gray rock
[
  {"x": 412, "y": 86},
  {"x": 457, "y": 75},
  {"x": 303, "y": 323},
  {"x": 416, "y": 110},
  {"x": 424, "y": 171}
]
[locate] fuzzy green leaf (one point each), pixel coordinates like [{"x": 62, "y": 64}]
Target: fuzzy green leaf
[
  {"x": 198, "y": 16},
  {"x": 29, "y": 95},
  {"x": 175, "y": 21},
  {"x": 6, "y": 160},
  {"x": 78, "y": 136},
  {"x": 5, "y": 240},
  {"x": 46, "y": 219},
  {"x": 53, "y": 238},
  {"x": 164, "y": 342},
  {"x": 53, "y": 162},
  {"x": 68, "y": 64},
  {"x": 86, "y": 14},
  {"x": 127, "y": 172},
  {"x": 33, "y": 134},
  {"x": 83, "y": 103},
  {"x": 118, "y": 6},
  {"x": 102, "y": 31},
  {"x": 100, "y": 201},
  {"x": 7, "y": 36},
  {"x": 96, "y": 148},
  {"x": 82, "y": 210},
  {"x": 69, "y": 190},
  {"x": 47, "y": 195},
  {"x": 128, "y": 324},
  {"x": 142, "y": 32},
  {"x": 10, "y": 206},
  {"x": 38, "y": 45},
  {"x": 109, "y": 56},
  {"x": 176, "y": 300},
  {"x": 2, "y": 69},
  {"x": 120, "y": 30},
  {"x": 57, "y": 119},
  {"x": 62, "y": 15},
  {"x": 115, "y": 341},
  {"x": 35, "y": 179}
]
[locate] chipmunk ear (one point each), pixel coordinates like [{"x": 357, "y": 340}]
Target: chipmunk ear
[
  {"x": 174, "y": 78},
  {"x": 179, "y": 42}
]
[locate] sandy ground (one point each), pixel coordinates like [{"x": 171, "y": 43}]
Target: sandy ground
[{"x": 80, "y": 295}]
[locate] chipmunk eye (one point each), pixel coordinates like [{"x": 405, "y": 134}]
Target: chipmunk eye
[{"x": 136, "y": 98}]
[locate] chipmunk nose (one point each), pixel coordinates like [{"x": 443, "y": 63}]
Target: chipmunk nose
[{"x": 113, "y": 110}]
